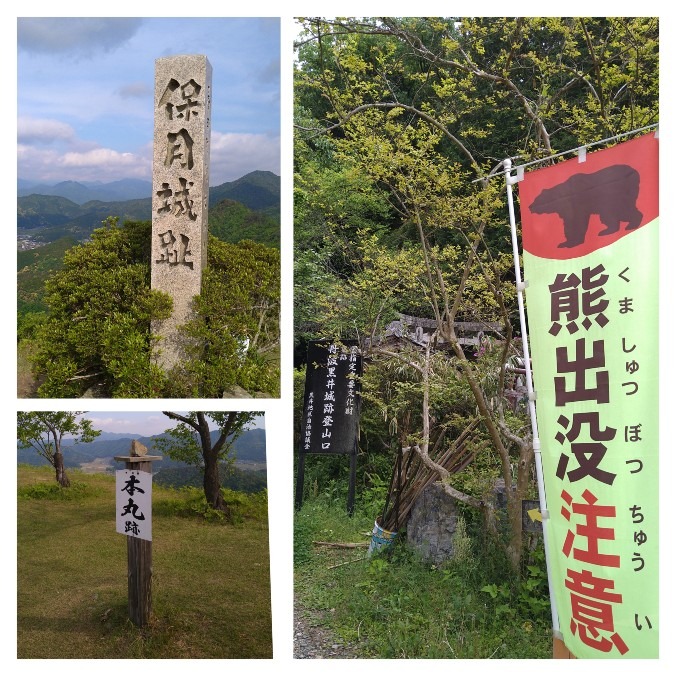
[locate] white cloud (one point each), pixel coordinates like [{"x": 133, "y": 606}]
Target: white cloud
[
  {"x": 74, "y": 36},
  {"x": 104, "y": 164},
  {"x": 31, "y": 130},
  {"x": 97, "y": 158},
  {"x": 48, "y": 151},
  {"x": 145, "y": 424},
  {"x": 103, "y": 422},
  {"x": 235, "y": 155}
]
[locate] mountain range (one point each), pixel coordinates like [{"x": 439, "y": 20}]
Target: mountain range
[
  {"x": 258, "y": 190},
  {"x": 81, "y": 193},
  {"x": 48, "y": 212},
  {"x": 248, "y": 448}
]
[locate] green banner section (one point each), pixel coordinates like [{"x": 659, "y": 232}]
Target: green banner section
[{"x": 593, "y": 325}]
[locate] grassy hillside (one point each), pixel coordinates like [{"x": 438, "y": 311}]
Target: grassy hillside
[
  {"x": 33, "y": 268},
  {"x": 396, "y": 605},
  {"x": 231, "y": 221},
  {"x": 211, "y": 581},
  {"x": 48, "y": 218},
  {"x": 242, "y": 479},
  {"x": 40, "y": 210},
  {"x": 258, "y": 190}
]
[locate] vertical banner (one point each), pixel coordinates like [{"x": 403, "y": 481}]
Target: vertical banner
[
  {"x": 332, "y": 398},
  {"x": 134, "y": 503},
  {"x": 590, "y": 250}
]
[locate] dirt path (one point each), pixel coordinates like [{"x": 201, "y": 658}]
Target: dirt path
[
  {"x": 312, "y": 641},
  {"x": 26, "y": 386}
]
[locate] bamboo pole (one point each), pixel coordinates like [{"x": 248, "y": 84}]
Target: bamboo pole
[{"x": 417, "y": 475}]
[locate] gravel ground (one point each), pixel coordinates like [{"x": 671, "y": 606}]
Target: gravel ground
[{"x": 312, "y": 641}]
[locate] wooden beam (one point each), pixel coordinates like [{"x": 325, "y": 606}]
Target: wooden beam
[{"x": 560, "y": 651}]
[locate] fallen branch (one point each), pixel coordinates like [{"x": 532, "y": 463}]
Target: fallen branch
[
  {"x": 337, "y": 544},
  {"x": 346, "y": 563}
]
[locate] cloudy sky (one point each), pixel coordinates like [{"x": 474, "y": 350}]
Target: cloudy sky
[
  {"x": 144, "y": 423},
  {"x": 85, "y": 94}
]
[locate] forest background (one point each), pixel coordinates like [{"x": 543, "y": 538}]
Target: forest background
[{"x": 399, "y": 124}]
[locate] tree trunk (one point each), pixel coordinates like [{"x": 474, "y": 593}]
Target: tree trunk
[
  {"x": 514, "y": 548},
  {"x": 212, "y": 491},
  {"x": 61, "y": 477}
]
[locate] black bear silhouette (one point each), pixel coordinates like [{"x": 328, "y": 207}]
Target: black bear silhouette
[{"x": 611, "y": 193}]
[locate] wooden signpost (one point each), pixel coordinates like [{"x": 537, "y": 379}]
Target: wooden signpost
[{"x": 134, "y": 519}]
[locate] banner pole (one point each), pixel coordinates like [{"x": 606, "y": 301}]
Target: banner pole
[
  {"x": 578, "y": 149},
  {"x": 520, "y": 287}
]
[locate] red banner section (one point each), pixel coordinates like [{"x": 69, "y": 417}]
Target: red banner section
[{"x": 575, "y": 208}]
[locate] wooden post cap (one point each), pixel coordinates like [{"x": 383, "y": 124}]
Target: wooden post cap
[{"x": 133, "y": 460}]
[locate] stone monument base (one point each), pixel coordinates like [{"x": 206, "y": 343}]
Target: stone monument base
[{"x": 432, "y": 524}]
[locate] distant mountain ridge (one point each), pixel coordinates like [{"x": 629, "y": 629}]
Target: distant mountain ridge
[
  {"x": 76, "y": 209},
  {"x": 249, "y": 447},
  {"x": 107, "y": 436},
  {"x": 259, "y": 190},
  {"x": 83, "y": 192}
]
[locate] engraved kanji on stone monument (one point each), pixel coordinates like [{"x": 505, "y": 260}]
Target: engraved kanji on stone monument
[{"x": 180, "y": 176}]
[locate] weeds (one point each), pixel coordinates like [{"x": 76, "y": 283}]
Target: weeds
[
  {"x": 77, "y": 491},
  {"x": 395, "y": 605},
  {"x": 528, "y": 597},
  {"x": 190, "y": 501}
]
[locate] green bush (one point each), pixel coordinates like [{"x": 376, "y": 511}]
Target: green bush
[
  {"x": 76, "y": 491},
  {"x": 191, "y": 501}
]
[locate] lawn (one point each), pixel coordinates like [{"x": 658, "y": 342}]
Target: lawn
[{"x": 211, "y": 580}]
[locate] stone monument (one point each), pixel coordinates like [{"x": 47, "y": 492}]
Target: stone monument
[
  {"x": 180, "y": 192},
  {"x": 432, "y": 524}
]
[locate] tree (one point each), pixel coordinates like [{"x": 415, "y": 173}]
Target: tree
[
  {"x": 44, "y": 431},
  {"x": 190, "y": 441},
  {"x": 425, "y": 109},
  {"x": 235, "y": 328},
  {"x": 97, "y": 334}
]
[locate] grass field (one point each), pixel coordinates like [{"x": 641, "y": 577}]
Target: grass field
[{"x": 211, "y": 580}]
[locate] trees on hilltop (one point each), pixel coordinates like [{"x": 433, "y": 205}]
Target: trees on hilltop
[
  {"x": 44, "y": 432},
  {"x": 190, "y": 442},
  {"x": 97, "y": 338}
]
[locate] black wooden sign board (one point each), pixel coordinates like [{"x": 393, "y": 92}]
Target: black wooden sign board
[{"x": 330, "y": 421}]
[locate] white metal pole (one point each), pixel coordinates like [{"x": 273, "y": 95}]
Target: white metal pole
[{"x": 520, "y": 287}]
